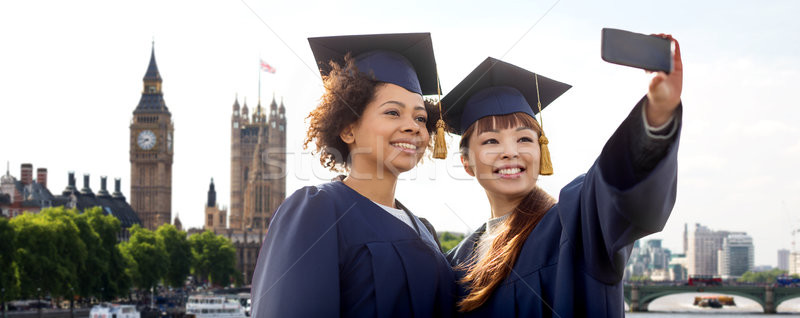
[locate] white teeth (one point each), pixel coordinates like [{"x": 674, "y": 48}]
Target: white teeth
[
  {"x": 405, "y": 145},
  {"x": 510, "y": 171}
]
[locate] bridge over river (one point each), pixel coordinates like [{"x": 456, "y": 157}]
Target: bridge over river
[{"x": 639, "y": 297}]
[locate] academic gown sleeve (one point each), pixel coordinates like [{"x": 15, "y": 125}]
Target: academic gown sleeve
[
  {"x": 619, "y": 203},
  {"x": 297, "y": 274}
]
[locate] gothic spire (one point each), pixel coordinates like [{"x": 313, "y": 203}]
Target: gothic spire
[
  {"x": 212, "y": 195},
  {"x": 152, "y": 100},
  {"x": 152, "y": 69}
]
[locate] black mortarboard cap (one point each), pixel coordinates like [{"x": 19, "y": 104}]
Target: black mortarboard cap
[
  {"x": 497, "y": 88},
  {"x": 403, "y": 59}
]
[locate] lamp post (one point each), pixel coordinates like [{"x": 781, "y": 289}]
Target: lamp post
[
  {"x": 71, "y": 302},
  {"x": 39, "y": 301},
  {"x": 3, "y": 290},
  {"x": 153, "y": 297}
]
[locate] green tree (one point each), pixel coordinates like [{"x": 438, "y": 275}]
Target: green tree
[
  {"x": 179, "y": 253},
  {"x": 640, "y": 278},
  {"x": 71, "y": 248},
  {"x": 8, "y": 266},
  {"x": 214, "y": 258},
  {"x": 148, "y": 255},
  {"x": 90, "y": 274},
  {"x": 113, "y": 280},
  {"x": 761, "y": 277},
  {"x": 116, "y": 281},
  {"x": 49, "y": 252},
  {"x": 449, "y": 240}
]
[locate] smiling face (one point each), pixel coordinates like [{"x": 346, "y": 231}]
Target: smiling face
[
  {"x": 502, "y": 152},
  {"x": 391, "y": 136}
]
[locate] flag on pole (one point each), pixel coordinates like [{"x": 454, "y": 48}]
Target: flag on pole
[{"x": 266, "y": 67}]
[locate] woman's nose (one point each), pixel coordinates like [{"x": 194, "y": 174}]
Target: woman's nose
[
  {"x": 510, "y": 150},
  {"x": 411, "y": 125}
]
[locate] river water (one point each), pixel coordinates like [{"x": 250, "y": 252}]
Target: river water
[{"x": 680, "y": 305}]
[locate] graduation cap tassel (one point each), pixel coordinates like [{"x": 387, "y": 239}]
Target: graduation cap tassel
[
  {"x": 439, "y": 144},
  {"x": 545, "y": 164}
]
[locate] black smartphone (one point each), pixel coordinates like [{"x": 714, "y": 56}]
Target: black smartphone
[{"x": 638, "y": 50}]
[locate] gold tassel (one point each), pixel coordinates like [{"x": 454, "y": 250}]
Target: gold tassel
[
  {"x": 545, "y": 164},
  {"x": 439, "y": 144}
]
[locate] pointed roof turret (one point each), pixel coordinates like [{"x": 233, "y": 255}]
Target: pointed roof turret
[
  {"x": 258, "y": 114},
  {"x": 212, "y": 195},
  {"x": 177, "y": 222},
  {"x": 152, "y": 100},
  {"x": 273, "y": 105},
  {"x": 7, "y": 178},
  {"x": 152, "y": 69},
  {"x": 236, "y": 102}
]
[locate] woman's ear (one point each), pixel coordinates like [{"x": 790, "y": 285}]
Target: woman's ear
[
  {"x": 467, "y": 166},
  {"x": 347, "y": 135}
]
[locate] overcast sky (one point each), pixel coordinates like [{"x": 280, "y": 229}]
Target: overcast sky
[{"x": 71, "y": 75}]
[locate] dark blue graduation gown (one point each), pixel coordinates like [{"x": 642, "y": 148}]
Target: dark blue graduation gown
[
  {"x": 573, "y": 261},
  {"x": 332, "y": 252}
]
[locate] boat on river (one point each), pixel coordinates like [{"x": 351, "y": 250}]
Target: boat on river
[{"x": 214, "y": 306}]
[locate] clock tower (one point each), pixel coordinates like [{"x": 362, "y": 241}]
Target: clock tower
[{"x": 151, "y": 150}]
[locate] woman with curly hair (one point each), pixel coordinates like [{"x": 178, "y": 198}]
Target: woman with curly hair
[
  {"x": 538, "y": 257},
  {"x": 348, "y": 247}
]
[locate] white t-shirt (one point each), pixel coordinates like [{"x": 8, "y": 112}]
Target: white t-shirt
[
  {"x": 399, "y": 214},
  {"x": 494, "y": 227}
]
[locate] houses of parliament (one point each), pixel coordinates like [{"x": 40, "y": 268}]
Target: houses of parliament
[
  {"x": 257, "y": 174},
  {"x": 258, "y": 181}
]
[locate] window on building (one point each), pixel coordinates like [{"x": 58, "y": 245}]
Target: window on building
[{"x": 210, "y": 220}]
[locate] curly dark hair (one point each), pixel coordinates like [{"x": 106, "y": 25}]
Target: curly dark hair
[{"x": 347, "y": 93}]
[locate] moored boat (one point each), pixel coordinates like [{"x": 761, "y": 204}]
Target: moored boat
[
  {"x": 105, "y": 310},
  {"x": 214, "y": 306}
]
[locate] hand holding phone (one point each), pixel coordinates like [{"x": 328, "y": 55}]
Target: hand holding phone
[{"x": 652, "y": 53}]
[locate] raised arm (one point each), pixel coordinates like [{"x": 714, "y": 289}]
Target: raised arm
[{"x": 630, "y": 190}]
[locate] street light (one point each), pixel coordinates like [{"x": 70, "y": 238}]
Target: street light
[
  {"x": 39, "y": 300},
  {"x": 71, "y": 302},
  {"x": 3, "y": 290}
]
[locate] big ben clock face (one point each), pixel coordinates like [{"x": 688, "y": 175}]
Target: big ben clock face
[{"x": 146, "y": 140}]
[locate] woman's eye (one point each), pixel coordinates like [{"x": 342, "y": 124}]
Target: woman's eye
[
  {"x": 392, "y": 112},
  {"x": 489, "y": 141},
  {"x": 525, "y": 139},
  {"x": 422, "y": 119}
]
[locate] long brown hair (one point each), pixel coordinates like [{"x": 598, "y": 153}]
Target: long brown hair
[{"x": 485, "y": 274}]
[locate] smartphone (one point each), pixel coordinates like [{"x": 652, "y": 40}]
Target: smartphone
[{"x": 638, "y": 50}]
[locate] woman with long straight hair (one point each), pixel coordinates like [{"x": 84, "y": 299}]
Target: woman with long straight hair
[
  {"x": 538, "y": 256},
  {"x": 349, "y": 248}
]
